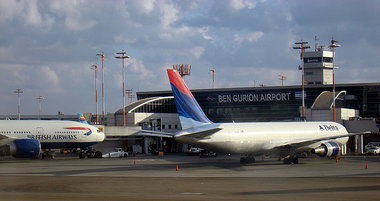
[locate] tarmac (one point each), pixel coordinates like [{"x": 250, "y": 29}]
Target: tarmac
[{"x": 182, "y": 177}]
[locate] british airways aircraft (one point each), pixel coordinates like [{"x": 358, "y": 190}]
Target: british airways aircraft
[
  {"x": 250, "y": 139},
  {"x": 26, "y": 138}
]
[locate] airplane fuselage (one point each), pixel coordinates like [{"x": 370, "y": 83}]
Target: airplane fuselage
[
  {"x": 251, "y": 138},
  {"x": 53, "y": 134}
]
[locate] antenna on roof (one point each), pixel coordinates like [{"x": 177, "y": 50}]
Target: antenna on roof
[{"x": 315, "y": 43}]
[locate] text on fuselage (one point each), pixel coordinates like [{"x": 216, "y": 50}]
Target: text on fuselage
[{"x": 328, "y": 128}]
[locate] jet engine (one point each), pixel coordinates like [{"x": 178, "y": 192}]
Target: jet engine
[
  {"x": 327, "y": 149},
  {"x": 24, "y": 148}
]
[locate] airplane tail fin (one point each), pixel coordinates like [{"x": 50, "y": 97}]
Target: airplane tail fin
[
  {"x": 189, "y": 111},
  {"x": 81, "y": 118}
]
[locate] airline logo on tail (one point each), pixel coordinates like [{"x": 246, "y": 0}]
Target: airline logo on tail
[
  {"x": 189, "y": 111},
  {"x": 81, "y": 118}
]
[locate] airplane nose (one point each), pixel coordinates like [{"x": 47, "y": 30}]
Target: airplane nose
[{"x": 101, "y": 137}]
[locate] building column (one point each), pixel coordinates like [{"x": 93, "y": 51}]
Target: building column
[{"x": 146, "y": 145}]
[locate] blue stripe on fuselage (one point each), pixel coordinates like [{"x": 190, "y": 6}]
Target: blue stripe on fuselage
[{"x": 188, "y": 107}]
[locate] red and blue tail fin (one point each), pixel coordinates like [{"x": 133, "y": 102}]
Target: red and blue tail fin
[{"x": 190, "y": 113}]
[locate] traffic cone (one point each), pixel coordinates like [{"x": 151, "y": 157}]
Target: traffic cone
[
  {"x": 176, "y": 168},
  {"x": 134, "y": 161},
  {"x": 336, "y": 159},
  {"x": 366, "y": 165}
]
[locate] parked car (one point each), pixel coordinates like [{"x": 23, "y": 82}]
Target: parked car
[
  {"x": 118, "y": 153},
  {"x": 194, "y": 150},
  {"x": 205, "y": 153},
  {"x": 373, "y": 151},
  {"x": 371, "y": 144}
]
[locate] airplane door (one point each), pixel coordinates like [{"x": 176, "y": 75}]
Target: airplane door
[{"x": 40, "y": 131}]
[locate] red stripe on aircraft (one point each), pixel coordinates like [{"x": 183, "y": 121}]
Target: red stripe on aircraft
[{"x": 77, "y": 128}]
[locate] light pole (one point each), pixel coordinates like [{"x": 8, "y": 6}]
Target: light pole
[
  {"x": 302, "y": 47},
  {"x": 332, "y": 46},
  {"x": 39, "y": 98},
  {"x": 103, "y": 104},
  {"x": 18, "y": 92},
  {"x": 213, "y": 77},
  {"x": 122, "y": 57},
  {"x": 95, "y": 68},
  {"x": 282, "y": 78}
]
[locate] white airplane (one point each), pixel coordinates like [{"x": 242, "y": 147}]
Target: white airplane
[
  {"x": 250, "y": 139},
  {"x": 26, "y": 138}
]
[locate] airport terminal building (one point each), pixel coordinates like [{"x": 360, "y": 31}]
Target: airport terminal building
[
  {"x": 156, "y": 110},
  {"x": 254, "y": 104}
]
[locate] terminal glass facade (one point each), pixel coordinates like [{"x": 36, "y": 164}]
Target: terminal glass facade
[{"x": 276, "y": 103}]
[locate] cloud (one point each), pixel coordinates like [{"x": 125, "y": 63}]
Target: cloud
[
  {"x": 250, "y": 37},
  {"x": 204, "y": 34},
  {"x": 124, "y": 39},
  {"x": 26, "y": 11},
  {"x": 240, "y": 4},
  {"x": 74, "y": 13},
  {"x": 10, "y": 9},
  {"x": 197, "y": 52},
  {"x": 140, "y": 71},
  {"x": 48, "y": 46},
  {"x": 51, "y": 77}
]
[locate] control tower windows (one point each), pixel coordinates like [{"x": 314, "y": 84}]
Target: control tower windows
[{"x": 318, "y": 59}]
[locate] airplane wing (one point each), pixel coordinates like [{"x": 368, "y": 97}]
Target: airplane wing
[
  {"x": 2, "y": 136},
  {"x": 201, "y": 132},
  {"x": 155, "y": 133},
  {"x": 4, "y": 139},
  {"x": 308, "y": 141}
]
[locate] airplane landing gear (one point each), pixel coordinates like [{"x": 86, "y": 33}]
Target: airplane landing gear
[
  {"x": 247, "y": 159},
  {"x": 92, "y": 153},
  {"x": 291, "y": 160},
  {"x": 48, "y": 154}
]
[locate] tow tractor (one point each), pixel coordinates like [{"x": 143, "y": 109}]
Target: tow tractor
[{"x": 118, "y": 153}]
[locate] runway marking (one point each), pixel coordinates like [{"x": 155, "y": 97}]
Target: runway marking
[{"x": 191, "y": 193}]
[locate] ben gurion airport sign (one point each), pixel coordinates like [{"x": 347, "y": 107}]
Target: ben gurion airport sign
[{"x": 254, "y": 97}]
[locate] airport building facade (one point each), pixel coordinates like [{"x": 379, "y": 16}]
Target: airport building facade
[{"x": 254, "y": 104}]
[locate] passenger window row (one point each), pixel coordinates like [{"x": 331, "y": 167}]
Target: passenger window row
[{"x": 66, "y": 132}]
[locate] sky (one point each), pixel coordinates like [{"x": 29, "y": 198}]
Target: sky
[{"x": 48, "y": 47}]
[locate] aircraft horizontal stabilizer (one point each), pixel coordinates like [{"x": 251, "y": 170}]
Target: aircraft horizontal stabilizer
[{"x": 201, "y": 132}]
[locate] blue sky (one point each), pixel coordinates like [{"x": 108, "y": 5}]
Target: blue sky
[{"x": 48, "y": 47}]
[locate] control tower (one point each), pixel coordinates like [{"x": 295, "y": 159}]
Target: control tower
[{"x": 318, "y": 66}]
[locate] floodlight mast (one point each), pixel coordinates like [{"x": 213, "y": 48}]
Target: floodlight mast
[
  {"x": 332, "y": 47},
  {"x": 302, "y": 47},
  {"x": 282, "y": 78},
  {"x": 129, "y": 92},
  {"x": 18, "y": 92},
  {"x": 213, "y": 77},
  {"x": 103, "y": 104},
  {"x": 95, "y": 68},
  {"x": 122, "y": 57},
  {"x": 39, "y": 98},
  {"x": 183, "y": 69}
]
